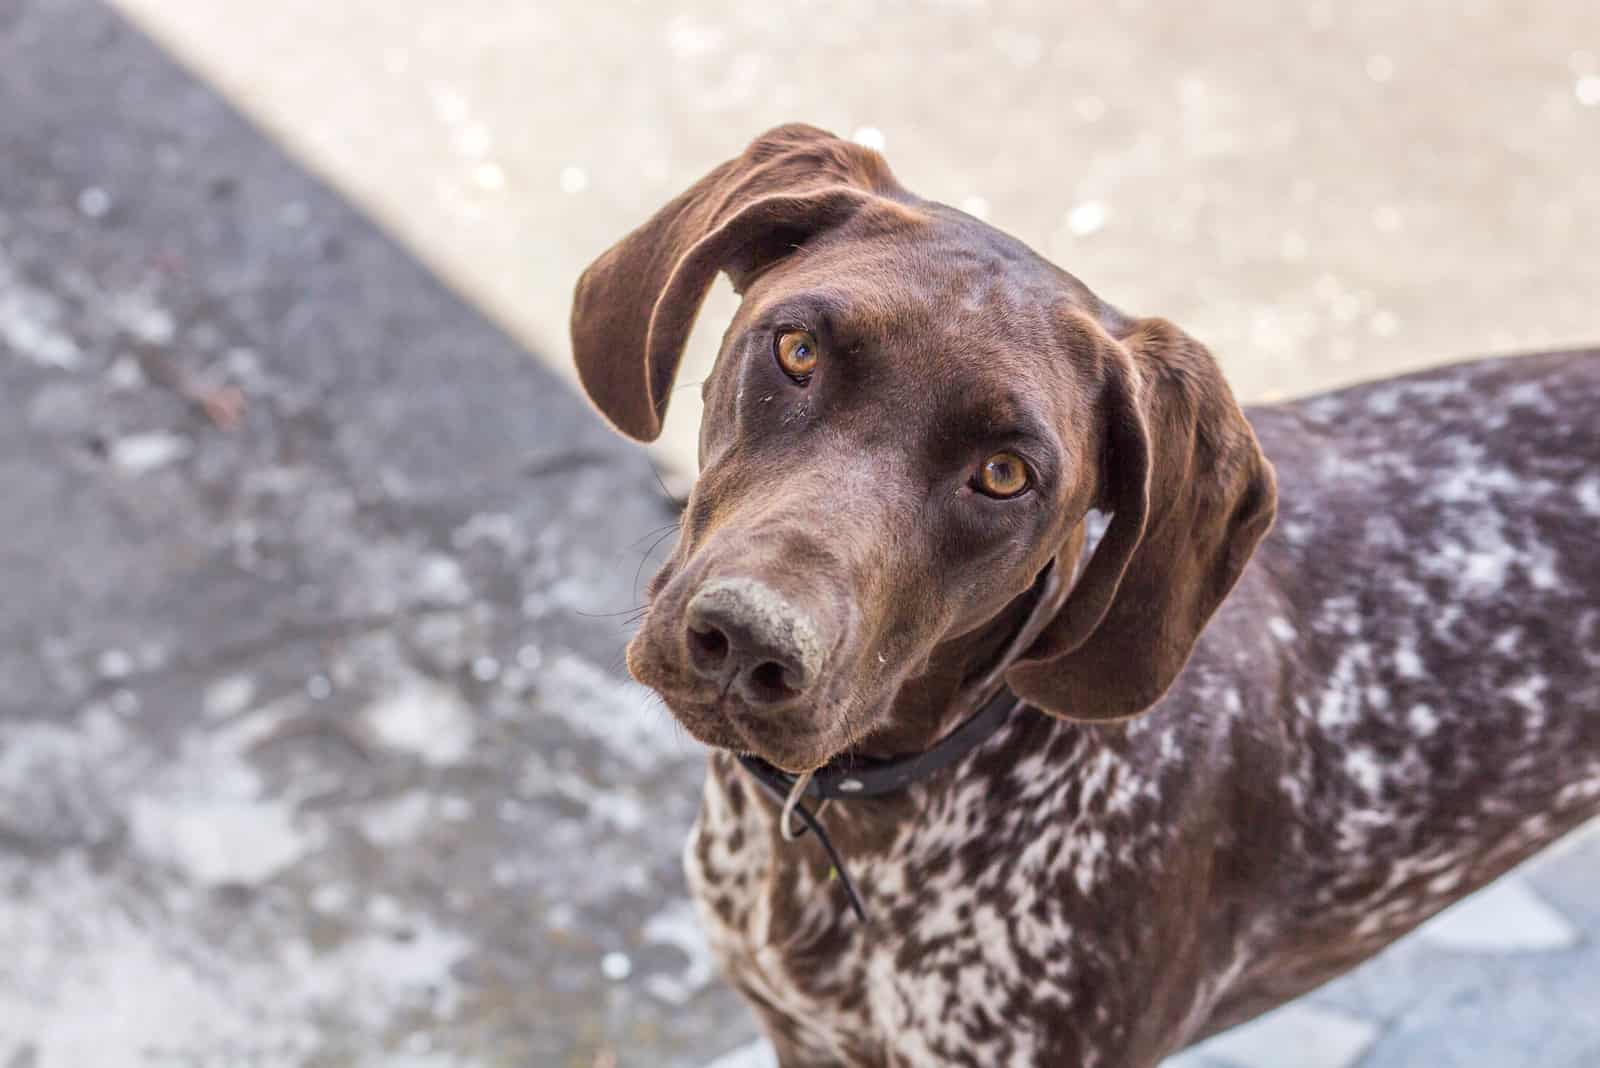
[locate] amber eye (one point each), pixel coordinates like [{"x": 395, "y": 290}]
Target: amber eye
[
  {"x": 797, "y": 353},
  {"x": 1002, "y": 475}
]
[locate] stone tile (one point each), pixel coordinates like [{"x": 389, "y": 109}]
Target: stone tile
[
  {"x": 1504, "y": 917},
  {"x": 1192, "y": 1058},
  {"x": 1568, "y": 877},
  {"x": 758, "y": 1054},
  {"x": 1299, "y": 1035},
  {"x": 1532, "y": 1017}
]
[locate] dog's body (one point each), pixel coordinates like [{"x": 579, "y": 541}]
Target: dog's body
[
  {"x": 1399, "y": 701},
  {"x": 1231, "y": 782}
]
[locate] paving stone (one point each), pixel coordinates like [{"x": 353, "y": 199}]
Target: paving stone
[
  {"x": 1505, "y": 917},
  {"x": 1314, "y": 1037},
  {"x": 754, "y": 1055}
]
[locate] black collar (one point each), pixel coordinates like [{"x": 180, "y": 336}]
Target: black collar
[{"x": 848, "y": 777}]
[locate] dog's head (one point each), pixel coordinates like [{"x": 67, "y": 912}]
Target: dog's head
[{"x": 909, "y": 419}]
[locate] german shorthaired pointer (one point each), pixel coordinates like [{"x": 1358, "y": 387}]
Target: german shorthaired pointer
[{"x": 1086, "y": 827}]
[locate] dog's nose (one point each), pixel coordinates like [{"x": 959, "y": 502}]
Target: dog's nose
[{"x": 744, "y": 632}]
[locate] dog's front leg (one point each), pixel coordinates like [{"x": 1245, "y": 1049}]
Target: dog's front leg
[{"x": 793, "y": 1051}]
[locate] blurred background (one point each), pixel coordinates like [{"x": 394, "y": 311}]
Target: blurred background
[{"x": 315, "y": 746}]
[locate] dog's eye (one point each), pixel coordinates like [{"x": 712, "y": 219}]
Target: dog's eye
[
  {"x": 1002, "y": 475},
  {"x": 797, "y": 354}
]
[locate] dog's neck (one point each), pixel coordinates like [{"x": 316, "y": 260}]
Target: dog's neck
[{"x": 932, "y": 704}]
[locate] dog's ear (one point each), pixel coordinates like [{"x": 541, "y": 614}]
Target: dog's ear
[
  {"x": 1190, "y": 495},
  {"x": 635, "y": 305}
]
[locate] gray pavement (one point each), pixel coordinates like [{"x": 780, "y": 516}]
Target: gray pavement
[{"x": 315, "y": 748}]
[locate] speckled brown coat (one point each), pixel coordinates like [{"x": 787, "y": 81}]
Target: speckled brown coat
[{"x": 1250, "y": 760}]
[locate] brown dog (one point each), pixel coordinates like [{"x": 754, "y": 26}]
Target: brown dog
[{"x": 910, "y": 422}]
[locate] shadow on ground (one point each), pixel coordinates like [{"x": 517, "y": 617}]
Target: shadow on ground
[{"x": 311, "y": 750}]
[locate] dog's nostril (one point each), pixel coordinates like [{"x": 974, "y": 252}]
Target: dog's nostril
[
  {"x": 767, "y": 683},
  {"x": 742, "y": 633},
  {"x": 708, "y": 647}
]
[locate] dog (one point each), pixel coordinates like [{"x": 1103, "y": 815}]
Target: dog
[{"x": 1119, "y": 746}]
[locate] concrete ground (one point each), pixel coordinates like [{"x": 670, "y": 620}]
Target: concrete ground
[
  {"x": 314, "y": 743},
  {"x": 1324, "y": 191}
]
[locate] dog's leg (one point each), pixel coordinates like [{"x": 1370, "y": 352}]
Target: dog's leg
[{"x": 780, "y": 1030}]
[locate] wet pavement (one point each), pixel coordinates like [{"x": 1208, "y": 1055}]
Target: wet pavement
[{"x": 315, "y": 746}]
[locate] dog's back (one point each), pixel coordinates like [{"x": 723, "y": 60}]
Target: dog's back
[{"x": 1428, "y": 613}]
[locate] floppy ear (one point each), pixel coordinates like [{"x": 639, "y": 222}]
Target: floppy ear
[
  {"x": 635, "y": 305},
  {"x": 1190, "y": 495}
]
